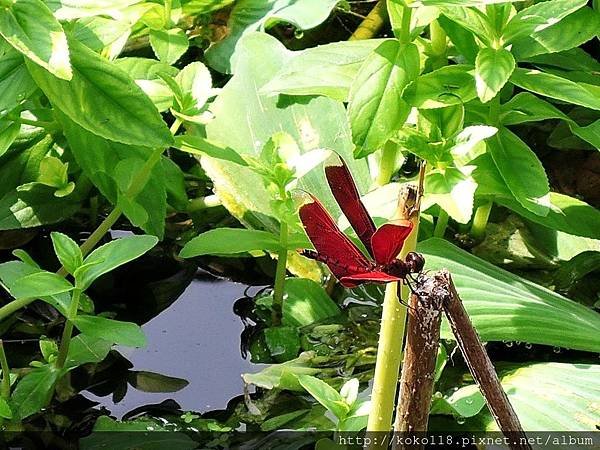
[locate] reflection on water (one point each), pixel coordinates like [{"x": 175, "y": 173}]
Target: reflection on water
[{"x": 197, "y": 338}]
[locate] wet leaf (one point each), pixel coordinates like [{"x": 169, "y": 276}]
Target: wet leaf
[{"x": 155, "y": 382}]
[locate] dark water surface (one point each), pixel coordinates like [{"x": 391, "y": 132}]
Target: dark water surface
[{"x": 197, "y": 338}]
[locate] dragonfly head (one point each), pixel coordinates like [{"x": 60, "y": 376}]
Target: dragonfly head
[{"x": 415, "y": 262}]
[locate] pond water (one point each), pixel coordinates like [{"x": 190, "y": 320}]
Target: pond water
[{"x": 197, "y": 338}]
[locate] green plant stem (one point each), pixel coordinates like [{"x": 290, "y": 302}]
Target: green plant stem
[
  {"x": 371, "y": 25},
  {"x": 280, "y": 271},
  {"x": 480, "y": 220},
  {"x": 13, "y": 306},
  {"x": 5, "y": 388},
  {"x": 68, "y": 330},
  {"x": 441, "y": 224},
  {"x": 387, "y": 164},
  {"x": 38, "y": 123},
  {"x": 389, "y": 353},
  {"x": 405, "y": 24}
]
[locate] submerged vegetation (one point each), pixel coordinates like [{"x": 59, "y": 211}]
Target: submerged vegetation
[{"x": 141, "y": 140}]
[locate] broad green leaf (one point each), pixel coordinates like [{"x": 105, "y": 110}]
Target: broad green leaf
[
  {"x": 567, "y": 214},
  {"x": 465, "y": 402},
  {"x": 534, "y": 391},
  {"x": 155, "y": 382},
  {"x": 16, "y": 84},
  {"x": 450, "y": 85},
  {"x": 417, "y": 3},
  {"x": 505, "y": 307},
  {"x": 245, "y": 120},
  {"x": 230, "y": 241},
  {"x": 514, "y": 158},
  {"x": 570, "y": 32},
  {"x": 463, "y": 39},
  {"x": 110, "y": 256},
  {"x": 177, "y": 196},
  {"x": 34, "y": 391},
  {"x": 8, "y": 133},
  {"x": 576, "y": 268},
  {"x": 67, "y": 251},
  {"x": 453, "y": 190},
  {"x": 85, "y": 349},
  {"x": 306, "y": 302},
  {"x": 327, "y": 70},
  {"x": 376, "y": 108},
  {"x": 30, "y": 27},
  {"x": 325, "y": 395},
  {"x": 5, "y": 410},
  {"x": 473, "y": 20},
  {"x": 104, "y": 100},
  {"x": 253, "y": 15},
  {"x": 526, "y": 107},
  {"x": 539, "y": 17},
  {"x": 468, "y": 143},
  {"x": 194, "y": 7},
  {"x": 100, "y": 165},
  {"x": 573, "y": 59},
  {"x": 75, "y": 9},
  {"x": 40, "y": 284},
  {"x": 146, "y": 74},
  {"x": 493, "y": 68},
  {"x": 169, "y": 45},
  {"x": 285, "y": 375},
  {"x": 102, "y": 34},
  {"x": 553, "y": 86},
  {"x": 196, "y": 83},
  {"x": 114, "y": 331},
  {"x": 282, "y": 342}
]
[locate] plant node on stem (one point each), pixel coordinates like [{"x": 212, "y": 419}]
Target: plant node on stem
[{"x": 65, "y": 341}]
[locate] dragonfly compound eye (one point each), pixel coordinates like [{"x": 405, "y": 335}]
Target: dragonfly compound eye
[{"x": 415, "y": 261}]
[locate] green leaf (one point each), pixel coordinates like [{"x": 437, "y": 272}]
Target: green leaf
[
  {"x": 85, "y": 349},
  {"x": 9, "y": 131},
  {"x": 155, "y": 382},
  {"x": 34, "y": 391},
  {"x": 245, "y": 120},
  {"x": 570, "y": 32},
  {"x": 114, "y": 331},
  {"x": 67, "y": 251},
  {"x": 465, "y": 402},
  {"x": 195, "y": 82},
  {"x": 463, "y": 39},
  {"x": 252, "y": 15},
  {"x": 325, "y": 395},
  {"x": 539, "y": 17},
  {"x": 534, "y": 391},
  {"x": 576, "y": 268},
  {"x": 526, "y": 107},
  {"x": 100, "y": 165},
  {"x": 376, "y": 108},
  {"x": 513, "y": 158},
  {"x": 450, "y": 85},
  {"x": 33, "y": 205},
  {"x": 16, "y": 84},
  {"x": 110, "y": 256},
  {"x": 75, "y": 9},
  {"x": 473, "y": 20},
  {"x": 104, "y": 100},
  {"x": 5, "y": 410},
  {"x": 417, "y": 3},
  {"x": 283, "y": 342},
  {"x": 554, "y": 86},
  {"x": 493, "y": 68},
  {"x": 30, "y": 27},
  {"x": 306, "y": 303},
  {"x": 453, "y": 189},
  {"x": 567, "y": 214},
  {"x": 40, "y": 284},
  {"x": 284, "y": 375},
  {"x": 327, "y": 70},
  {"x": 169, "y": 45},
  {"x": 505, "y": 307},
  {"x": 198, "y": 145},
  {"x": 230, "y": 241}
]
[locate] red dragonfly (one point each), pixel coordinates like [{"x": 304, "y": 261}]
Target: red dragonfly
[{"x": 345, "y": 260}]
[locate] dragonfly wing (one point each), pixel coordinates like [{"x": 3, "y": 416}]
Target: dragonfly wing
[
  {"x": 388, "y": 241},
  {"x": 346, "y": 194},
  {"x": 335, "y": 248}
]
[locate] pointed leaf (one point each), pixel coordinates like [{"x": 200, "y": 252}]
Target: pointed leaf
[
  {"x": 67, "y": 251},
  {"x": 230, "y": 241},
  {"x": 169, "y": 45},
  {"x": 493, "y": 68},
  {"x": 40, "y": 284},
  {"x": 34, "y": 391},
  {"x": 114, "y": 331}
]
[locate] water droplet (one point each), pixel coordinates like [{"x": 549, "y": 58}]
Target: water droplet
[
  {"x": 298, "y": 34},
  {"x": 556, "y": 350},
  {"x": 469, "y": 401},
  {"x": 528, "y": 346},
  {"x": 461, "y": 420},
  {"x": 438, "y": 394},
  {"x": 509, "y": 344}
]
